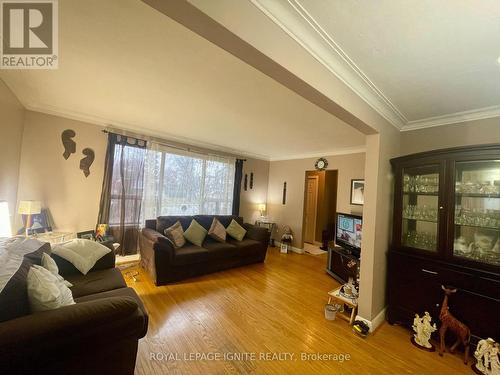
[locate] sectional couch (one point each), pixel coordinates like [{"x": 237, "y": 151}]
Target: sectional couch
[{"x": 97, "y": 335}]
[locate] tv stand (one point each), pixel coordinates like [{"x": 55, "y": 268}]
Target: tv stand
[{"x": 341, "y": 264}]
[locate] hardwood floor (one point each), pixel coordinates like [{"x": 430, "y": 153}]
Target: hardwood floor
[{"x": 258, "y": 310}]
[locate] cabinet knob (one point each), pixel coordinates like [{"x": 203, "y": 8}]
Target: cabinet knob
[
  {"x": 441, "y": 207},
  {"x": 437, "y": 304}
]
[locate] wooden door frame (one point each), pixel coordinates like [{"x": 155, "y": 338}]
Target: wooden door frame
[{"x": 306, "y": 180}]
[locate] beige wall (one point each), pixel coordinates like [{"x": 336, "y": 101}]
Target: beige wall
[
  {"x": 11, "y": 133},
  {"x": 464, "y": 134},
  {"x": 377, "y": 223},
  {"x": 72, "y": 198},
  {"x": 250, "y": 199},
  {"x": 293, "y": 172}
]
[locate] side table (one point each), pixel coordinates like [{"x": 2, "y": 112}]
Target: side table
[
  {"x": 341, "y": 300},
  {"x": 54, "y": 237},
  {"x": 270, "y": 228}
]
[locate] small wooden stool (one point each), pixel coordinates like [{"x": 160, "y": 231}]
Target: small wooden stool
[{"x": 341, "y": 300}]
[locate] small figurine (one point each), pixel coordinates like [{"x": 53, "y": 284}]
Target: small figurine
[
  {"x": 448, "y": 321},
  {"x": 486, "y": 355},
  {"x": 423, "y": 330}
]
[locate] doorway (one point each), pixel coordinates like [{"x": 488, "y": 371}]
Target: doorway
[{"x": 320, "y": 207}]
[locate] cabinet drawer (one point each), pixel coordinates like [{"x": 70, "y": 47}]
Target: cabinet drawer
[
  {"x": 456, "y": 279},
  {"x": 488, "y": 287}
]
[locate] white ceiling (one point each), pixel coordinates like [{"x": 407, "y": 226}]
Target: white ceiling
[
  {"x": 418, "y": 62},
  {"x": 123, "y": 63}
]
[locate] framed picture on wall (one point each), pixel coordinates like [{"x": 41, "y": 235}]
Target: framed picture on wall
[{"x": 358, "y": 192}]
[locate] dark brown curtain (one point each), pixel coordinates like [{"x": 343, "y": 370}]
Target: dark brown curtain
[
  {"x": 122, "y": 190},
  {"x": 238, "y": 175}
]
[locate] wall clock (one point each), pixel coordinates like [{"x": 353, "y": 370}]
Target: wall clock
[{"x": 321, "y": 164}]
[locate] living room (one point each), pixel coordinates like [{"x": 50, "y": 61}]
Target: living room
[{"x": 215, "y": 154}]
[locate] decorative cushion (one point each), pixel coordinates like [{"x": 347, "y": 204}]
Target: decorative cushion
[
  {"x": 83, "y": 254},
  {"x": 235, "y": 230},
  {"x": 50, "y": 264},
  {"x": 195, "y": 233},
  {"x": 17, "y": 255},
  {"x": 175, "y": 234},
  {"x": 46, "y": 291},
  {"x": 217, "y": 231}
]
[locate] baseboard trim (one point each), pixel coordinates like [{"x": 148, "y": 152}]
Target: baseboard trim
[
  {"x": 375, "y": 322},
  {"x": 293, "y": 248}
]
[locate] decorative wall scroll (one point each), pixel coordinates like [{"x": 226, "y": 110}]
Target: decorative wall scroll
[
  {"x": 284, "y": 192},
  {"x": 251, "y": 180},
  {"x": 245, "y": 182},
  {"x": 87, "y": 161},
  {"x": 70, "y": 148},
  {"x": 68, "y": 143}
]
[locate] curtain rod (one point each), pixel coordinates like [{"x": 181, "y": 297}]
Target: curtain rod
[{"x": 162, "y": 142}]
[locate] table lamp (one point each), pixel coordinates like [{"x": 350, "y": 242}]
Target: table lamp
[
  {"x": 262, "y": 209},
  {"x": 5, "y": 228},
  {"x": 29, "y": 208}
]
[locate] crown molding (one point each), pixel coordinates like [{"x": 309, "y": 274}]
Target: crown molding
[
  {"x": 453, "y": 118},
  {"x": 110, "y": 124},
  {"x": 295, "y": 21},
  {"x": 301, "y": 26},
  {"x": 336, "y": 152}
]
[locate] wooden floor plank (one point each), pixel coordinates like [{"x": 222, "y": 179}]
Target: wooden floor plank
[{"x": 275, "y": 307}]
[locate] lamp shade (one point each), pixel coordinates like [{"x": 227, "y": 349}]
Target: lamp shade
[
  {"x": 29, "y": 207},
  {"x": 5, "y": 228},
  {"x": 262, "y": 207}
]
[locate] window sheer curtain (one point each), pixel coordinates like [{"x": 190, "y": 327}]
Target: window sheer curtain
[
  {"x": 122, "y": 191},
  {"x": 178, "y": 182}
]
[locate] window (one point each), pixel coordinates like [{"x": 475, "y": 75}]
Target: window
[{"x": 185, "y": 183}]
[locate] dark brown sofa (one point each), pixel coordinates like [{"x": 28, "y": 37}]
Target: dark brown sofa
[
  {"x": 166, "y": 264},
  {"x": 97, "y": 335}
]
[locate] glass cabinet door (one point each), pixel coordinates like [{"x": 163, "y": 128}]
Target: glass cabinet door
[
  {"x": 420, "y": 207},
  {"x": 477, "y": 211}
]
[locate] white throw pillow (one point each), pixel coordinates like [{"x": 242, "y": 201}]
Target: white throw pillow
[
  {"x": 83, "y": 254},
  {"x": 50, "y": 264},
  {"x": 46, "y": 291}
]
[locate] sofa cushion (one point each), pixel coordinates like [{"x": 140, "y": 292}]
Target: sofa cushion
[
  {"x": 50, "y": 265},
  {"x": 206, "y": 220},
  {"x": 246, "y": 246},
  {"x": 195, "y": 233},
  {"x": 17, "y": 255},
  {"x": 217, "y": 231},
  {"x": 46, "y": 291},
  {"x": 96, "y": 282},
  {"x": 163, "y": 222},
  {"x": 236, "y": 231},
  {"x": 175, "y": 234},
  {"x": 83, "y": 254},
  {"x": 219, "y": 250},
  {"x": 190, "y": 254}
]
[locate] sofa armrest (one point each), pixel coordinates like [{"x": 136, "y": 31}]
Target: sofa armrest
[
  {"x": 96, "y": 321},
  {"x": 67, "y": 268},
  {"x": 257, "y": 233}
]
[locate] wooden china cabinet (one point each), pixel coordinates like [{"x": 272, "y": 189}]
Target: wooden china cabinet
[{"x": 446, "y": 232}]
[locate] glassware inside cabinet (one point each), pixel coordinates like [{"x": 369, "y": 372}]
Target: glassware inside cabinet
[
  {"x": 420, "y": 207},
  {"x": 477, "y": 211}
]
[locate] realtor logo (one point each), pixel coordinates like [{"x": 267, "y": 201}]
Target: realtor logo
[{"x": 29, "y": 34}]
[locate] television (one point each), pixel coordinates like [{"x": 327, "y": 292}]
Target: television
[{"x": 348, "y": 232}]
